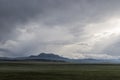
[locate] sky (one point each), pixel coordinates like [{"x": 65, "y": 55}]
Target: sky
[{"x": 69, "y": 28}]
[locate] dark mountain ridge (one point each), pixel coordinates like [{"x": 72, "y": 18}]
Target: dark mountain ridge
[{"x": 50, "y": 57}]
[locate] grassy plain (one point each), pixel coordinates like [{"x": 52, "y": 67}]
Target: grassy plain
[{"x": 58, "y": 71}]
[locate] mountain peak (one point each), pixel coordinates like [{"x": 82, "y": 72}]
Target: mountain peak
[{"x": 49, "y": 56}]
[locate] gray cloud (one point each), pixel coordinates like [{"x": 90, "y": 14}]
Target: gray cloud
[
  {"x": 66, "y": 27},
  {"x": 6, "y": 52}
]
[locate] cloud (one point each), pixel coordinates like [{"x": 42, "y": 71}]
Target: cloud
[
  {"x": 68, "y": 28},
  {"x": 6, "y": 52}
]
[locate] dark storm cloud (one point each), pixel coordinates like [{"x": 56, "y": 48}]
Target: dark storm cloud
[
  {"x": 14, "y": 12},
  {"x": 6, "y": 52},
  {"x": 30, "y": 26}
]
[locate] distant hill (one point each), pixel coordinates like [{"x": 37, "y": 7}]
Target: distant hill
[
  {"x": 91, "y": 61},
  {"x": 45, "y": 57},
  {"x": 50, "y": 57}
]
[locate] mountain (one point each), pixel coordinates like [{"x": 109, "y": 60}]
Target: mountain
[
  {"x": 50, "y": 57},
  {"x": 54, "y": 57},
  {"x": 91, "y": 61},
  {"x": 47, "y": 56}
]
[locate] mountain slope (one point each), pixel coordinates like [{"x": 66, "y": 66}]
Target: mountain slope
[{"x": 47, "y": 56}]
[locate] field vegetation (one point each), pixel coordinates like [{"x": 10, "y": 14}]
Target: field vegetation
[{"x": 17, "y": 70}]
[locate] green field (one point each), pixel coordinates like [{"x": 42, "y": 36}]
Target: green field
[{"x": 58, "y": 71}]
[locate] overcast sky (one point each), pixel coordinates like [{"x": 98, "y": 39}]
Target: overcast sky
[{"x": 70, "y": 28}]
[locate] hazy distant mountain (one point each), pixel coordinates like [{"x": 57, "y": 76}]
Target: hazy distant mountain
[
  {"x": 56, "y": 58},
  {"x": 41, "y": 57},
  {"x": 51, "y": 56},
  {"x": 47, "y": 56},
  {"x": 91, "y": 61}
]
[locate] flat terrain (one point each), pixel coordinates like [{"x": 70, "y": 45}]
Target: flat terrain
[{"x": 58, "y": 71}]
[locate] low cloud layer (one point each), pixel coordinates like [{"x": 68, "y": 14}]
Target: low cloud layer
[{"x": 71, "y": 28}]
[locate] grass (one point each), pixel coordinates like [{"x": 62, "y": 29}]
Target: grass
[{"x": 58, "y": 71}]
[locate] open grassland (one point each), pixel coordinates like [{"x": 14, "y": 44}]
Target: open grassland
[{"x": 58, "y": 71}]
